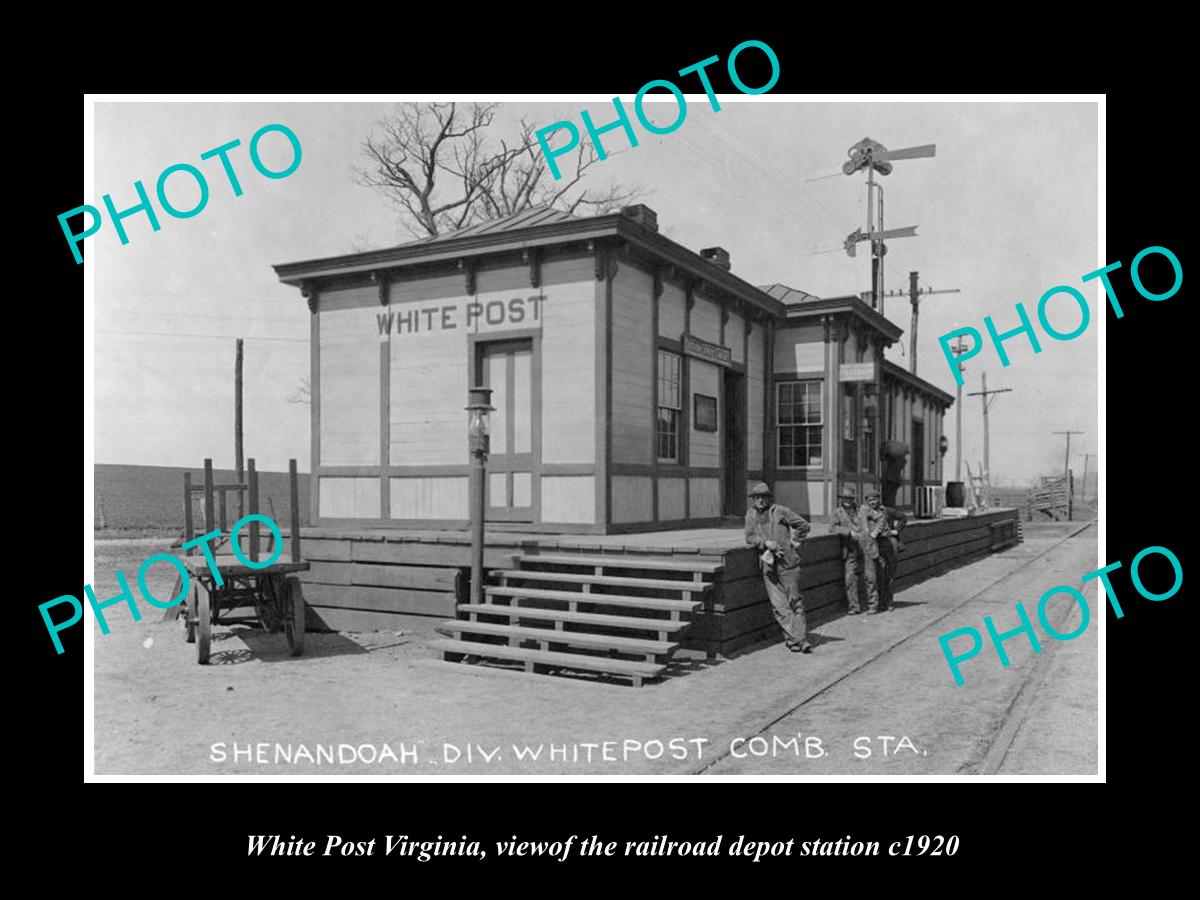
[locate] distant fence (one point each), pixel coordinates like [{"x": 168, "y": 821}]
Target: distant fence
[
  {"x": 1050, "y": 501},
  {"x": 151, "y": 497}
]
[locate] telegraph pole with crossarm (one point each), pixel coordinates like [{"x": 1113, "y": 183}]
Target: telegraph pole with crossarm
[
  {"x": 914, "y": 295},
  {"x": 984, "y": 396}
]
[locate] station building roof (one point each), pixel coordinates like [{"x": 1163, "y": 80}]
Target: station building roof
[{"x": 534, "y": 228}]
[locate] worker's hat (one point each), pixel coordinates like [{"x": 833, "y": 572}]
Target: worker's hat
[
  {"x": 848, "y": 491},
  {"x": 871, "y": 492},
  {"x": 762, "y": 489}
]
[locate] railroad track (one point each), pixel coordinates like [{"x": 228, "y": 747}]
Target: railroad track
[{"x": 996, "y": 748}]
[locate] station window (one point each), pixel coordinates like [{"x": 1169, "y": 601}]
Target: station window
[
  {"x": 798, "y": 424},
  {"x": 670, "y": 402}
]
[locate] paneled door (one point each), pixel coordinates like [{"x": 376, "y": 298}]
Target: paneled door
[{"x": 507, "y": 367}]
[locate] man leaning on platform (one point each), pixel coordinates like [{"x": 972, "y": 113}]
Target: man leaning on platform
[{"x": 776, "y": 532}]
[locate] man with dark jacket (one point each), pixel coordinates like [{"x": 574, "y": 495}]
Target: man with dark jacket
[
  {"x": 845, "y": 524},
  {"x": 880, "y": 528},
  {"x": 776, "y": 532}
]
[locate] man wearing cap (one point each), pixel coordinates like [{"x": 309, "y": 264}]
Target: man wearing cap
[
  {"x": 845, "y": 523},
  {"x": 880, "y": 529},
  {"x": 776, "y": 532}
]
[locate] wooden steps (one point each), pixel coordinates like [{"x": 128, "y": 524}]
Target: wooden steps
[
  {"x": 606, "y": 580},
  {"x": 638, "y": 606},
  {"x": 532, "y": 658},
  {"x": 656, "y": 603},
  {"x": 642, "y": 646},
  {"x": 637, "y": 623},
  {"x": 674, "y": 564}
]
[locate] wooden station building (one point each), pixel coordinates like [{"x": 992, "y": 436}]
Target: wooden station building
[{"x": 638, "y": 387}]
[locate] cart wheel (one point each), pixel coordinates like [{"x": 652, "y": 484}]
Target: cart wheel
[
  {"x": 293, "y": 617},
  {"x": 189, "y": 616},
  {"x": 203, "y": 625}
]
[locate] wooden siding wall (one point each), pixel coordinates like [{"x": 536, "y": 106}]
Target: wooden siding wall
[
  {"x": 632, "y": 389},
  {"x": 705, "y": 446},
  {"x": 643, "y": 491},
  {"x": 429, "y": 498},
  {"x": 416, "y": 472},
  {"x": 349, "y": 378},
  {"x": 671, "y": 312},
  {"x": 349, "y": 498},
  {"x": 704, "y": 498},
  {"x": 367, "y": 584},
  {"x": 428, "y": 373},
  {"x": 568, "y": 498},
  {"x": 706, "y": 320},
  {"x": 671, "y": 493},
  {"x": 908, "y": 404},
  {"x": 569, "y": 415},
  {"x": 799, "y": 351},
  {"x": 632, "y": 499},
  {"x": 735, "y": 329}
]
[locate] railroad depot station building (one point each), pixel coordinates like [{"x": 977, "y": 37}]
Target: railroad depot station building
[
  {"x": 637, "y": 385},
  {"x": 638, "y": 389}
]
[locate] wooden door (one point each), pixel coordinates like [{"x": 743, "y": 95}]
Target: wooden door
[
  {"x": 734, "y": 456},
  {"x": 507, "y": 368},
  {"x": 918, "y": 455}
]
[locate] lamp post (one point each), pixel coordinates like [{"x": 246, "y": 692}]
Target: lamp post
[{"x": 479, "y": 404}]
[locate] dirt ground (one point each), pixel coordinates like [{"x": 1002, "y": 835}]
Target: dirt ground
[{"x": 378, "y": 704}]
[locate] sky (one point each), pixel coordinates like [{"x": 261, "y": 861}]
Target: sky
[{"x": 1005, "y": 210}]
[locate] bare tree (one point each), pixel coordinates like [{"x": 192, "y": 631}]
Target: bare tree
[{"x": 444, "y": 167}]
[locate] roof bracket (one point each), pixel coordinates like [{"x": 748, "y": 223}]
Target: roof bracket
[
  {"x": 309, "y": 292},
  {"x": 382, "y": 282},
  {"x": 533, "y": 256},
  {"x": 600, "y": 260},
  {"x": 467, "y": 267}
]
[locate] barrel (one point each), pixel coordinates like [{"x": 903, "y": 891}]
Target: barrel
[{"x": 955, "y": 494}]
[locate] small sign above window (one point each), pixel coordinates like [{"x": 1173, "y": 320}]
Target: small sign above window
[
  {"x": 704, "y": 412},
  {"x": 864, "y": 371},
  {"x": 714, "y": 353}
]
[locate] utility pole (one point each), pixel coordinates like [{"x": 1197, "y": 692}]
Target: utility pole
[
  {"x": 959, "y": 349},
  {"x": 1067, "y": 458},
  {"x": 984, "y": 400},
  {"x": 1067, "y": 471},
  {"x": 914, "y": 297},
  {"x": 237, "y": 429}
]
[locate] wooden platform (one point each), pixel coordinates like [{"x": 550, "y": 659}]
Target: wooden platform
[
  {"x": 377, "y": 579},
  {"x": 231, "y": 565}
]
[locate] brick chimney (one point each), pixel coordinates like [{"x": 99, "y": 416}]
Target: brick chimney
[
  {"x": 643, "y": 215},
  {"x": 718, "y": 256}
]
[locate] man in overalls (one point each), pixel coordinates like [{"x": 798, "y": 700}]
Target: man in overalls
[{"x": 776, "y": 533}]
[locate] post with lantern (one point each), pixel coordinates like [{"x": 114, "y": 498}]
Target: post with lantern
[{"x": 479, "y": 404}]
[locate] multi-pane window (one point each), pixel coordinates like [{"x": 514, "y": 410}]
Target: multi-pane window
[
  {"x": 670, "y": 402},
  {"x": 798, "y": 424}
]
